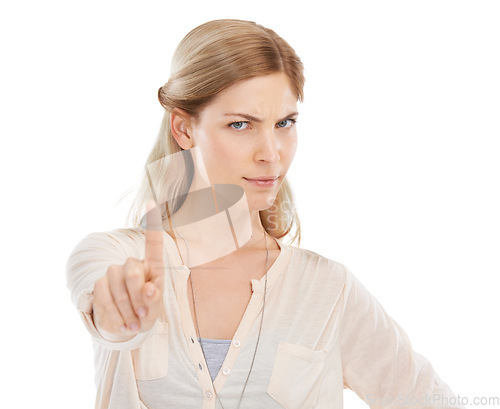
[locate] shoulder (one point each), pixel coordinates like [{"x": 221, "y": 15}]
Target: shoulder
[
  {"x": 311, "y": 258},
  {"x": 314, "y": 267},
  {"x": 123, "y": 241},
  {"x": 126, "y": 236},
  {"x": 318, "y": 271},
  {"x": 121, "y": 235}
]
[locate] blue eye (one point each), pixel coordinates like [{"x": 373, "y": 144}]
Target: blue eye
[
  {"x": 239, "y": 125},
  {"x": 283, "y": 124}
]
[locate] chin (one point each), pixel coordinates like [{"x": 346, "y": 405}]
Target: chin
[{"x": 262, "y": 204}]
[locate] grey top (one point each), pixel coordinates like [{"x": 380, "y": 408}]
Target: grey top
[{"x": 215, "y": 352}]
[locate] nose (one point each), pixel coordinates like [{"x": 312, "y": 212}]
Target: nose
[{"x": 267, "y": 147}]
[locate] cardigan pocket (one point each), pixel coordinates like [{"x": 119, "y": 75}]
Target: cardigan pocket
[
  {"x": 296, "y": 376},
  {"x": 151, "y": 358}
]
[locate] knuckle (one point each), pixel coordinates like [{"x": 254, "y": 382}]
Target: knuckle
[
  {"x": 98, "y": 286},
  {"x": 98, "y": 307},
  {"x": 97, "y": 312},
  {"x": 131, "y": 261},
  {"x": 134, "y": 271},
  {"x": 114, "y": 269},
  {"x": 99, "y": 292}
]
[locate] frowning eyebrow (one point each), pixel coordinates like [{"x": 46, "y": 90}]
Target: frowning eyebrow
[{"x": 252, "y": 118}]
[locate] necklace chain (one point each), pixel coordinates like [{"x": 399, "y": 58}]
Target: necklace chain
[{"x": 261, "y": 320}]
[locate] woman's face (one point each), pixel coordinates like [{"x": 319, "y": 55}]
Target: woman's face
[{"x": 248, "y": 133}]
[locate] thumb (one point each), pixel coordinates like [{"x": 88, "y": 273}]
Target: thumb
[
  {"x": 153, "y": 299},
  {"x": 151, "y": 293}
]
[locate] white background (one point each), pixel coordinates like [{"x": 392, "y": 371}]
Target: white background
[{"x": 396, "y": 176}]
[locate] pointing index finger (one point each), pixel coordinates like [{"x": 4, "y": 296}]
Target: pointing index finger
[{"x": 154, "y": 242}]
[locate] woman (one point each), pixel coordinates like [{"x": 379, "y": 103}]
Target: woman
[{"x": 201, "y": 303}]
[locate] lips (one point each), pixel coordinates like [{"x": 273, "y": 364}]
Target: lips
[
  {"x": 263, "y": 181},
  {"x": 263, "y": 178}
]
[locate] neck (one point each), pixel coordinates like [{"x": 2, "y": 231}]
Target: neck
[
  {"x": 204, "y": 233},
  {"x": 256, "y": 240}
]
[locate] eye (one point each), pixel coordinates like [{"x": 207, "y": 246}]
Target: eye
[
  {"x": 287, "y": 123},
  {"x": 239, "y": 125}
]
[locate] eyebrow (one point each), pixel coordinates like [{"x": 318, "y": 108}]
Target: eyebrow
[{"x": 252, "y": 118}]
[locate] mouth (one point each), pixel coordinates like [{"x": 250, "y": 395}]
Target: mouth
[{"x": 263, "y": 181}]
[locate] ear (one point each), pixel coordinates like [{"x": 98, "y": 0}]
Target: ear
[{"x": 180, "y": 124}]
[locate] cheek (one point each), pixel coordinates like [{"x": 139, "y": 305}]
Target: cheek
[
  {"x": 290, "y": 150},
  {"x": 221, "y": 158},
  {"x": 225, "y": 155},
  {"x": 209, "y": 147}
]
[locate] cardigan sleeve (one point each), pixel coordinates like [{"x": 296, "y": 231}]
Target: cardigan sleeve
[
  {"x": 378, "y": 361},
  {"x": 88, "y": 262}
]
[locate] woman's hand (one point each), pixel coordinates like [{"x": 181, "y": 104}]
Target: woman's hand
[{"x": 129, "y": 298}]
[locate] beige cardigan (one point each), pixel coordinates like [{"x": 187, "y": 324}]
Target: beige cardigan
[{"x": 322, "y": 332}]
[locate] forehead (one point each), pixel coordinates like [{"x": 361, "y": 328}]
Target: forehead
[{"x": 259, "y": 96}]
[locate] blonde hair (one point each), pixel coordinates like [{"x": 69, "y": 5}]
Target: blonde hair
[{"x": 210, "y": 58}]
